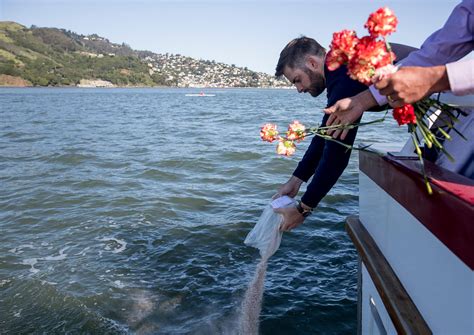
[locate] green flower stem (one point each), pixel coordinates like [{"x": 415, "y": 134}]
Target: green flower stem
[
  {"x": 440, "y": 105},
  {"x": 441, "y": 130},
  {"x": 428, "y": 132},
  {"x": 424, "y": 127},
  {"x": 445, "y": 122},
  {"x": 459, "y": 133},
  {"x": 424, "y": 110},
  {"x": 446, "y": 109},
  {"x": 418, "y": 151},
  {"x": 445, "y": 134},
  {"x": 425, "y": 131},
  {"x": 417, "y": 147},
  {"x": 346, "y": 126},
  {"x": 389, "y": 49},
  {"x": 349, "y": 147},
  {"x": 441, "y": 147},
  {"x": 426, "y": 135}
]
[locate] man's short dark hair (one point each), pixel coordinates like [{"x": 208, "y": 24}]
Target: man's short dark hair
[{"x": 295, "y": 53}]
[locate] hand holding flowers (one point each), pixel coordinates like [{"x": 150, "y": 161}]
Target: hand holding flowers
[
  {"x": 370, "y": 59},
  {"x": 411, "y": 84}
]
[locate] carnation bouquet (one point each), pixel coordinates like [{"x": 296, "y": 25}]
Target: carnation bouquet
[{"x": 368, "y": 58}]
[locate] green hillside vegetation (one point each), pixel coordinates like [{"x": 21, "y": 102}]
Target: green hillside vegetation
[
  {"x": 57, "y": 57},
  {"x": 52, "y": 57}
]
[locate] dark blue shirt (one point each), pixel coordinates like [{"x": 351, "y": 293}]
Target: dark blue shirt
[{"x": 326, "y": 160}]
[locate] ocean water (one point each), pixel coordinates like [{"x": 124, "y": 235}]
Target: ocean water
[{"x": 125, "y": 211}]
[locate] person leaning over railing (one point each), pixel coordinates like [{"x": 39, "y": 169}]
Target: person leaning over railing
[
  {"x": 302, "y": 62},
  {"x": 435, "y": 67}
]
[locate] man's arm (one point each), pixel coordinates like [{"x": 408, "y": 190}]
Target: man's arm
[
  {"x": 448, "y": 44},
  {"x": 331, "y": 161},
  {"x": 411, "y": 84},
  {"x": 304, "y": 170},
  {"x": 334, "y": 160},
  {"x": 311, "y": 158},
  {"x": 329, "y": 158},
  {"x": 348, "y": 110}
]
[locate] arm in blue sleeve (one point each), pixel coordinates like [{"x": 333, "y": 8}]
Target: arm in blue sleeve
[
  {"x": 450, "y": 43},
  {"x": 334, "y": 160},
  {"x": 311, "y": 158}
]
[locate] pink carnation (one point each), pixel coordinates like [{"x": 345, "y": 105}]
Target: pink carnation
[
  {"x": 286, "y": 148},
  {"x": 269, "y": 132},
  {"x": 296, "y": 131}
]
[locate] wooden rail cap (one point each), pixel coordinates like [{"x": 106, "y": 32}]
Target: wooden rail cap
[{"x": 405, "y": 316}]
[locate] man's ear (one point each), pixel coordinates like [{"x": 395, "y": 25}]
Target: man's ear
[{"x": 313, "y": 62}]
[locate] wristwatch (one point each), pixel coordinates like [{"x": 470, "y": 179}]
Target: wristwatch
[{"x": 303, "y": 211}]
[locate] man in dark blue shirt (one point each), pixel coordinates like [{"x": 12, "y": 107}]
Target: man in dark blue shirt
[{"x": 302, "y": 62}]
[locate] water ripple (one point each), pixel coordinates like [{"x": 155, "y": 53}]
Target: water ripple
[{"x": 125, "y": 211}]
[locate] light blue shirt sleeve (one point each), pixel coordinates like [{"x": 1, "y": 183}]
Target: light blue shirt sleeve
[{"x": 461, "y": 77}]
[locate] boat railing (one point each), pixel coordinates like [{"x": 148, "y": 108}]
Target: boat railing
[{"x": 415, "y": 248}]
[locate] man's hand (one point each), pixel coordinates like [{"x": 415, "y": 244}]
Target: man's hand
[
  {"x": 411, "y": 84},
  {"x": 291, "y": 218},
  {"x": 290, "y": 188},
  {"x": 347, "y": 111}
]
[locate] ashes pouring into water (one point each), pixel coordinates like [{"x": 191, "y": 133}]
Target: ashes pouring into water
[{"x": 252, "y": 304}]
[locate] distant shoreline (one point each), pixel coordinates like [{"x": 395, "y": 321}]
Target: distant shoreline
[
  {"x": 152, "y": 87},
  {"x": 56, "y": 57}
]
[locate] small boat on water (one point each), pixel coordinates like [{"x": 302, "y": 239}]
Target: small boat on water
[
  {"x": 416, "y": 251},
  {"x": 201, "y": 94}
]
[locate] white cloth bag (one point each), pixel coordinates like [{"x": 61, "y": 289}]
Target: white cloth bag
[{"x": 266, "y": 235}]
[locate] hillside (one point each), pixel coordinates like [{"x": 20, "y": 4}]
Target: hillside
[{"x": 57, "y": 57}]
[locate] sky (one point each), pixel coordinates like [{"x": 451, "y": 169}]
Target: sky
[{"x": 244, "y": 33}]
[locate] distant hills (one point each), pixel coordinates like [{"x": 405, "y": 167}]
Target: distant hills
[{"x": 57, "y": 57}]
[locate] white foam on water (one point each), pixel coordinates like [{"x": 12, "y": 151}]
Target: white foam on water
[
  {"x": 4, "y": 282},
  {"x": 113, "y": 224},
  {"x": 59, "y": 257},
  {"x": 18, "y": 250},
  {"x": 122, "y": 244},
  {"x": 45, "y": 282},
  {"x": 31, "y": 262},
  {"x": 119, "y": 284},
  {"x": 83, "y": 252}
]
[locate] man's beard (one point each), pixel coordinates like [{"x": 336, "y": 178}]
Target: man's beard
[{"x": 318, "y": 84}]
